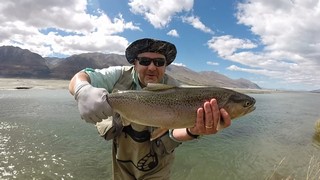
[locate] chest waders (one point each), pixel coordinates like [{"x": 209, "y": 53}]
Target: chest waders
[{"x": 134, "y": 155}]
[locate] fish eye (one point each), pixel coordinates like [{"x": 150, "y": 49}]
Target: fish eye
[
  {"x": 247, "y": 103},
  {"x": 250, "y": 102}
]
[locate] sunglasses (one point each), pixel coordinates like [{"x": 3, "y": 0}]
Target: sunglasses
[{"x": 145, "y": 61}]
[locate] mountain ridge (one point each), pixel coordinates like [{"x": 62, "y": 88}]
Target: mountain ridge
[{"x": 22, "y": 63}]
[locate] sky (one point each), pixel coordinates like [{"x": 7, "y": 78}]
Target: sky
[{"x": 273, "y": 43}]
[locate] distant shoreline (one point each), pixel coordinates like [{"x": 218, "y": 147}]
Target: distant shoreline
[
  {"x": 255, "y": 91},
  {"x": 22, "y": 83}
]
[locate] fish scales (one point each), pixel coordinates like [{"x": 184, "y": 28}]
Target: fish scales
[{"x": 176, "y": 107}]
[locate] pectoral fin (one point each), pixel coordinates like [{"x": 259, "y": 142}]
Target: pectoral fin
[
  {"x": 125, "y": 122},
  {"x": 158, "y": 133}
]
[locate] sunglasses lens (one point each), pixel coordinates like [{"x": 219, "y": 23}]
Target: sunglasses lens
[
  {"x": 144, "y": 61},
  {"x": 159, "y": 62}
]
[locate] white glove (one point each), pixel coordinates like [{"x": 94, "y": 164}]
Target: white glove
[{"x": 92, "y": 102}]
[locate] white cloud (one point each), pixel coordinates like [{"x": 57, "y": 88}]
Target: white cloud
[
  {"x": 159, "y": 12},
  {"x": 285, "y": 65},
  {"x": 227, "y": 45},
  {"x": 254, "y": 71},
  {"x": 173, "y": 33},
  {"x": 179, "y": 64},
  {"x": 196, "y": 23},
  {"x": 54, "y": 27},
  {"x": 284, "y": 25},
  {"x": 212, "y": 63},
  {"x": 289, "y": 39}
]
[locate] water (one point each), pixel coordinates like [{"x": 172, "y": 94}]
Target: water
[{"x": 43, "y": 137}]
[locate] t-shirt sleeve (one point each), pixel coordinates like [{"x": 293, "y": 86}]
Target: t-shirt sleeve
[{"x": 104, "y": 78}]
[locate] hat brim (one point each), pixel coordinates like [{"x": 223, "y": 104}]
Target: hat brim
[{"x": 151, "y": 45}]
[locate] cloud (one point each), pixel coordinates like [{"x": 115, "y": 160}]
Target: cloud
[
  {"x": 173, "y": 33},
  {"x": 159, "y": 12},
  {"x": 212, "y": 63},
  {"x": 196, "y": 23},
  {"x": 179, "y": 64},
  {"x": 254, "y": 71},
  {"x": 273, "y": 64},
  {"x": 227, "y": 45},
  {"x": 289, "y": 47},
  {"x": 54, "y": 27},
  {"x": 280, "y": 22}
]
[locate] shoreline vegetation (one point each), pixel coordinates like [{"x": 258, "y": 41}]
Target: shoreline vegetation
[{"x": 25, "y": 83}]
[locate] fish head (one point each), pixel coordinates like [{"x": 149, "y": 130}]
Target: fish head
[{"x": 239, "y": 105}]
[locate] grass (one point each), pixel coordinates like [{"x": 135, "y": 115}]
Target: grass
[
  {"x": 313, "y": 171},
  {"x": 317, "y": 127},
  {"x": 273, "y": 175}
]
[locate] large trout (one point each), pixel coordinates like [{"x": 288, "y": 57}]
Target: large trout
[{"x": 170, "y": 107}]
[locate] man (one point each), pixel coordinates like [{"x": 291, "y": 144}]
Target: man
[{"x": 134, "y": 155}]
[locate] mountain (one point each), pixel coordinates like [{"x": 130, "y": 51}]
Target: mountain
[
  {"x": 66, "y": 68},
  {"x": 209, "y": 78},
  {"x": 316, "y": 91},
  {"x": 17, "y": 62},
  {"x": 52, "y": 62}
]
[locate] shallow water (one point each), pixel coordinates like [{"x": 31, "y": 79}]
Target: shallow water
[{"x": 43, "y": 137}]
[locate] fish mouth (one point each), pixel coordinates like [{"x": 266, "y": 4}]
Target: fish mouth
[
  {"x": 252, "y": 108},
  {"x": 248, "y": 110}
]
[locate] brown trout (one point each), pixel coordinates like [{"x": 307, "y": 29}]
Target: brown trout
[{"x": 170, "y": 107}]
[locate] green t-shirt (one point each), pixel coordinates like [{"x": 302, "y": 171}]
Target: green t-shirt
[{"x": 107, "y": 77}]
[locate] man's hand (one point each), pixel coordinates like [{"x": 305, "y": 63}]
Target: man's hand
[
  {"x": 92, "y": 102},
  {"x": 209, "y": 119}
]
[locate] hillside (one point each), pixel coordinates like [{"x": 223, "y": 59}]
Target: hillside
[
  {"x": 16, "y": 62},
  {"x": 66, "y": 68},
  {"x": 316, "y": 91}
]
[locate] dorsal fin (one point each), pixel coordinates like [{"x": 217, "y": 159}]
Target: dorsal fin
[{"x": 157, "y": 87}]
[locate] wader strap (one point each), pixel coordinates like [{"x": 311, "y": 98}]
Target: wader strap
[{"x": 136, "y": 135}]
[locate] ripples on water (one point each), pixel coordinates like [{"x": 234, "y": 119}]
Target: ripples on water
[
  {"x": 43, "y": 137},
  {"x": 25, "y": 152},
  {"x": 281, "y": 129}
]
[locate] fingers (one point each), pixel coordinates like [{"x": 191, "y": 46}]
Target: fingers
[
  {"x": 209, "y": 117},
  {"x": 226, "y": 118},
  {"x": 91, "y": 119},
  {"x": 102, "y": 115},
  {"x": 92, "y": 104},
  {"x": 213, "y": 114},
  {"x": 200, "y": 117}
]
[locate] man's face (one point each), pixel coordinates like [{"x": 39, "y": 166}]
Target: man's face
[{"x": 150, "y": 73}]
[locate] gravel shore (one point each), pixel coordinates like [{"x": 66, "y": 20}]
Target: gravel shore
[{"x": 17, "y": 83}]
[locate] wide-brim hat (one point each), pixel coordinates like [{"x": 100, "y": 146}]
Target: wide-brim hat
[{"x": 151, "y": 45}]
